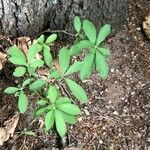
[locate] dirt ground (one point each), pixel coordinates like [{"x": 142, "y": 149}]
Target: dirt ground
[{"x": 117, "y": 114}]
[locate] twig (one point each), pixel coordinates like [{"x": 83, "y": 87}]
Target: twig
[{"x": 57, "y": 31}]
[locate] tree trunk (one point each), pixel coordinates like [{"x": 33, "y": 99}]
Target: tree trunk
[{"x": 30, "y": 17}]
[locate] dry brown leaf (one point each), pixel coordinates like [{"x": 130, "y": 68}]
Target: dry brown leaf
[
  {"x": 23, "y": 43},
  {"x": 146, "y": 26},
  {"x": 9, "y": 129},
  {"x": 3, "y": 59}
]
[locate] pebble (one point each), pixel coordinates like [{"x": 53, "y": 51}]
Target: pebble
[{"x": 115, "y": 113}]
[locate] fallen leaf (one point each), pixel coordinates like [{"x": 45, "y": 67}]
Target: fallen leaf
[
  {"x": 23, "y": 43},
  {"x": 146, "y": 26},
  {"x": 9, "y": 129},
  {"x": 3, "y": 60}
]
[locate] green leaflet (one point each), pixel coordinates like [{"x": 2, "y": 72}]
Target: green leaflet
[
  {"x": 42, "y": 102},
  {"x": 54, "y": 74},
  {"x": 70, "y": 108},
  {"x": 77, "y": 23},
  {"x": 64, "y": 59},
  {"x": 31, "y": 70},
  {"x": 19, "y": 71},
  {"x": 33, "y": 50},
  {"x": 87, "y": 66},
  {"x": 63, "y": 100},
  {"x": 104, "y": 51},
  {"x": 101, "y": 65},
  {"x": 16, "y": 56},
  {"x": 41, "y": 39},
  {"x": 69, "y": 118},
  {"x": 47, "y": 56},
  {"x": 60, "y": 123},
  {"x": 40, "y": 111},
  {"x": 77, "y": 48},
  {"x": 89, "y": 30},
  {"x": 51, "y": 38},
  {"x": 37, "y": 85},
  {"x": 37, "y": 63},
  {"x": 26, "y": 82},
  {"x": 49, "y": 120},
  {"x": 103, "y": 33},
  {"x": 11, "y": 90},
  {"x": 52, "y": 94},
  {"x": 77, "y": 90},
  {"x": 22, "y": 102},
  {"x": 74, "y": 68}
]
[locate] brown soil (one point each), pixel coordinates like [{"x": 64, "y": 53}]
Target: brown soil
[{"x": 117, "y": 114}]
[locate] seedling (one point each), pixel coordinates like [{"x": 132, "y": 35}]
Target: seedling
[{"x": 55, "y": 105}]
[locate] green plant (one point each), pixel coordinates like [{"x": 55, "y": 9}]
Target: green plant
[{"x": 54, "y": 103}]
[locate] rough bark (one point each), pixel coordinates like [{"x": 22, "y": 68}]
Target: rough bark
[{"x": 29, "y": 17}]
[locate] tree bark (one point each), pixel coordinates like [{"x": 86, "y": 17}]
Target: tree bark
[{"x": 30, "y": 17}]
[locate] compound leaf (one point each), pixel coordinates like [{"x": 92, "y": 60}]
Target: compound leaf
[
  {"x": 77, "y": 90},
  {"x": 103, "y": 33},
  {"x": 22, "y": 102},
  {"x": 89, "y": 30}
]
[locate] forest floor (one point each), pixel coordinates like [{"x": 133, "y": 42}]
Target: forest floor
[{"x": 116, "y": 116}]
